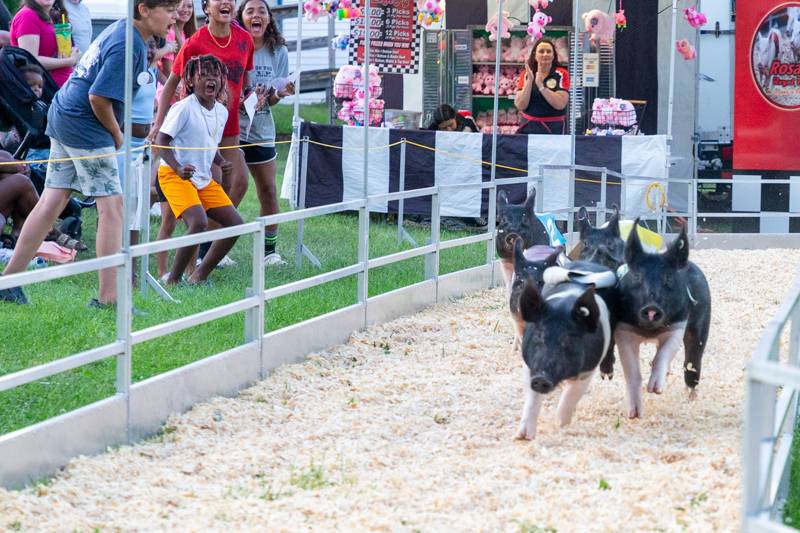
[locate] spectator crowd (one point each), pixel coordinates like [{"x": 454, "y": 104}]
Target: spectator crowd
[{"x": 190, "y": 86}]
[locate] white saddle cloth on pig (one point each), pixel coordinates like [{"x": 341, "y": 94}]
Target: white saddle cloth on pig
[{"x": 601, "y": 278}]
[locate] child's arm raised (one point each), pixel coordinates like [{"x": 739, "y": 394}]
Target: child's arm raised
[{"x": 168, "y": 154}]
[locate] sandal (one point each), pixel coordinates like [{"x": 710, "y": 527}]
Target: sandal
[{"x": 68, "y": 242}]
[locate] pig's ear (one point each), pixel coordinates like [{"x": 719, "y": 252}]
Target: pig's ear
[
  {"x": 530, "y": 202},
  {"x": 678, "y": 252},
  {"x": 519, "y": 256},
  {"x": 502, "y": 198},
  {"x": 583, "y": 222},
  {"x": 633, "y": 248},
  {"x": 585, "y": 311},
  {"x": 552, "y": 259},
  {"x": 613, "y": 223},
  {"x": 531, "y": 304}
]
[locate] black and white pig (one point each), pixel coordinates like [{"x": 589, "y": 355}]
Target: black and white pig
[
  {"x": 529, "y": 265},
  {"x": 517, "y": 222},
  {"x": 602, "y": 245},
  {"x": 663, "y": 298},
  {"x": 567, "y": 332}
]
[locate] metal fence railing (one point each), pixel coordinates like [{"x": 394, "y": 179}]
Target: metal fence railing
[{"x": 773, "y": 384}]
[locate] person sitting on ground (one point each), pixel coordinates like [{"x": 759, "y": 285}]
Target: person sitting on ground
[
  {"x": 11, "y": 139},
  {"x": 185, "y": 177},
  {"x": 445, "y": 118},
  {"x": 18, "y": 197}
]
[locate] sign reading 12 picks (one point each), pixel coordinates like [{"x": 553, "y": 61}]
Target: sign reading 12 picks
[
  {"x": 394, "y": 37},
  {"x": 767, "y": 100}
]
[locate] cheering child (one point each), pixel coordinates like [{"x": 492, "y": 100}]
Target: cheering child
[{"x": 185, "y": 177}]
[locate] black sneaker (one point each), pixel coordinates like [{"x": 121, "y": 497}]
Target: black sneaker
[
  {"x": 13, "y": 295},
  {"x": 94, "y": 303}
]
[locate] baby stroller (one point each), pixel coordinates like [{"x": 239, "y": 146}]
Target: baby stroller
[{"x": 22, "y": 110}]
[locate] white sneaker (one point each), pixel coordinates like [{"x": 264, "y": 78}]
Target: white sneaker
[
  {"x": 274, "y": 259},
  {"x": 155, "y": 210},
  {"x": 226, "y": 262}
]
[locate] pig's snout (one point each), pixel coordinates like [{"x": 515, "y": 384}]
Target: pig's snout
[
  {"x": 510, "y": 239},
  {"x": 541, "y": 384},
  {"x": 651, "y": 314}
]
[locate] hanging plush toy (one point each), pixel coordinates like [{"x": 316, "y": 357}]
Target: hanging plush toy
[
  {"x": 340, "y": 42},
  {"x": 430, "y": 12},
  {"x": 686, "y": 49},
  {"x": 695, "y": 18},
  {"x": 540, "y": 4},
  {"x": 620, "y": 19},
  {"x": 492, "y": 26},
  {"x": 313, "y": 10},
  {"x": 537, "y": 24},
  {"x": 600, "y": 25}
]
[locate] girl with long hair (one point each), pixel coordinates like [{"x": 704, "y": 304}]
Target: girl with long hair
[
  {"x": 271, "y": 61},
  {"x": 543, "y": 92}
]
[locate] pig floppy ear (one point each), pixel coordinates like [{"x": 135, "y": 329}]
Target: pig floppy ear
[
  {"x": 552, "y": 259},
  {"x": 678, "y": 251},
  {"x": 531, "y": 304},
  {"x": 613, "y": 223},
  {"x": 502, "y": 198},
  {"x": 585, "y": 311},
  {"x": 519, "y": 256},
  {"x": 583, "y": 222},
  {"x": 633, "y": 248},
  {"x": 530, "y": 202}
]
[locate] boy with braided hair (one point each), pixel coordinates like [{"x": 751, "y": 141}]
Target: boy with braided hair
[{"x": 185, "y": 176}]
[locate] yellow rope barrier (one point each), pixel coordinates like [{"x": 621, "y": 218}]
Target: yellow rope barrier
[{"x": 316, "y": 143}]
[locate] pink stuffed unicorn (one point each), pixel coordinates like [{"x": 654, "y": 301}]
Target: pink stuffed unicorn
[
  {"x": 695, "y": 18},
  {"x": 686, "y": 49},
  {"x": 537, "y": 24},
  {"x": 600, "y": 24},
  {"x": 493, "y": 26}
]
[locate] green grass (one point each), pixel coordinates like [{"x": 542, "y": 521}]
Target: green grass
[
  {"x": 283, "y": 116},
  {"x": 791, "y": 510},
  {"x": 58, "y": 323}
]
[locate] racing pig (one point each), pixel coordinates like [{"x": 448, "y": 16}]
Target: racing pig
[
  {"x": 663, "y": 298},
  {"x": 567, "y": 332}
]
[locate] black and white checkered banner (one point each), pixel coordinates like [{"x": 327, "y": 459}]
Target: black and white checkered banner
[
  {"x": 335, "y": 175},
  {"x": 395, "y": 37}
]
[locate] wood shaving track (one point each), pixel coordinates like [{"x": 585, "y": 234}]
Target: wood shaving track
[{"x": 409, "y": 427}]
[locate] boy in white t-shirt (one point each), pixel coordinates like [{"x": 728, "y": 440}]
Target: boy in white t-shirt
[{"x": 185, "y": 177}]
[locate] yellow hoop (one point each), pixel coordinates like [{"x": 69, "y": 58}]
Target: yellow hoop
[{"x": 662, "y": 203}]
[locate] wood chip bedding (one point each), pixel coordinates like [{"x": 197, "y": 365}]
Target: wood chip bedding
[{"x": 409, "y": 427}]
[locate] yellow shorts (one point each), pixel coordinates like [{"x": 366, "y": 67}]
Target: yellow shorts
[{"x": 182, "y": 194}]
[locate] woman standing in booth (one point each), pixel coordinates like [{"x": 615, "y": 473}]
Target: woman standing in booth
[{"x": 543, "y": 92}]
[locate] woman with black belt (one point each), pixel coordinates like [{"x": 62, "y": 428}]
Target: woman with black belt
[{"x": 543, "y": 92}]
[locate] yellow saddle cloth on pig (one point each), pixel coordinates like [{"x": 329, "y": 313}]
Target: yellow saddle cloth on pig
[{"x": 652, "y": 242}]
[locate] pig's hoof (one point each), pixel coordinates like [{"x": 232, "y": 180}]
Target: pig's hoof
[
  {"x": 635, "y": 411},
  {"x": 525, "y": 433},
  {"x": 655, "y": 385},
  {"x": 692, "y": 394},
  {"x": 607, "y": 375}
]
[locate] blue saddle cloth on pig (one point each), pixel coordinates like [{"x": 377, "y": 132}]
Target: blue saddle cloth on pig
[{"x": 549, "y": 223}]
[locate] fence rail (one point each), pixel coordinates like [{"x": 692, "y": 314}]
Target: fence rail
[{"x": 773, "y": 384}]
